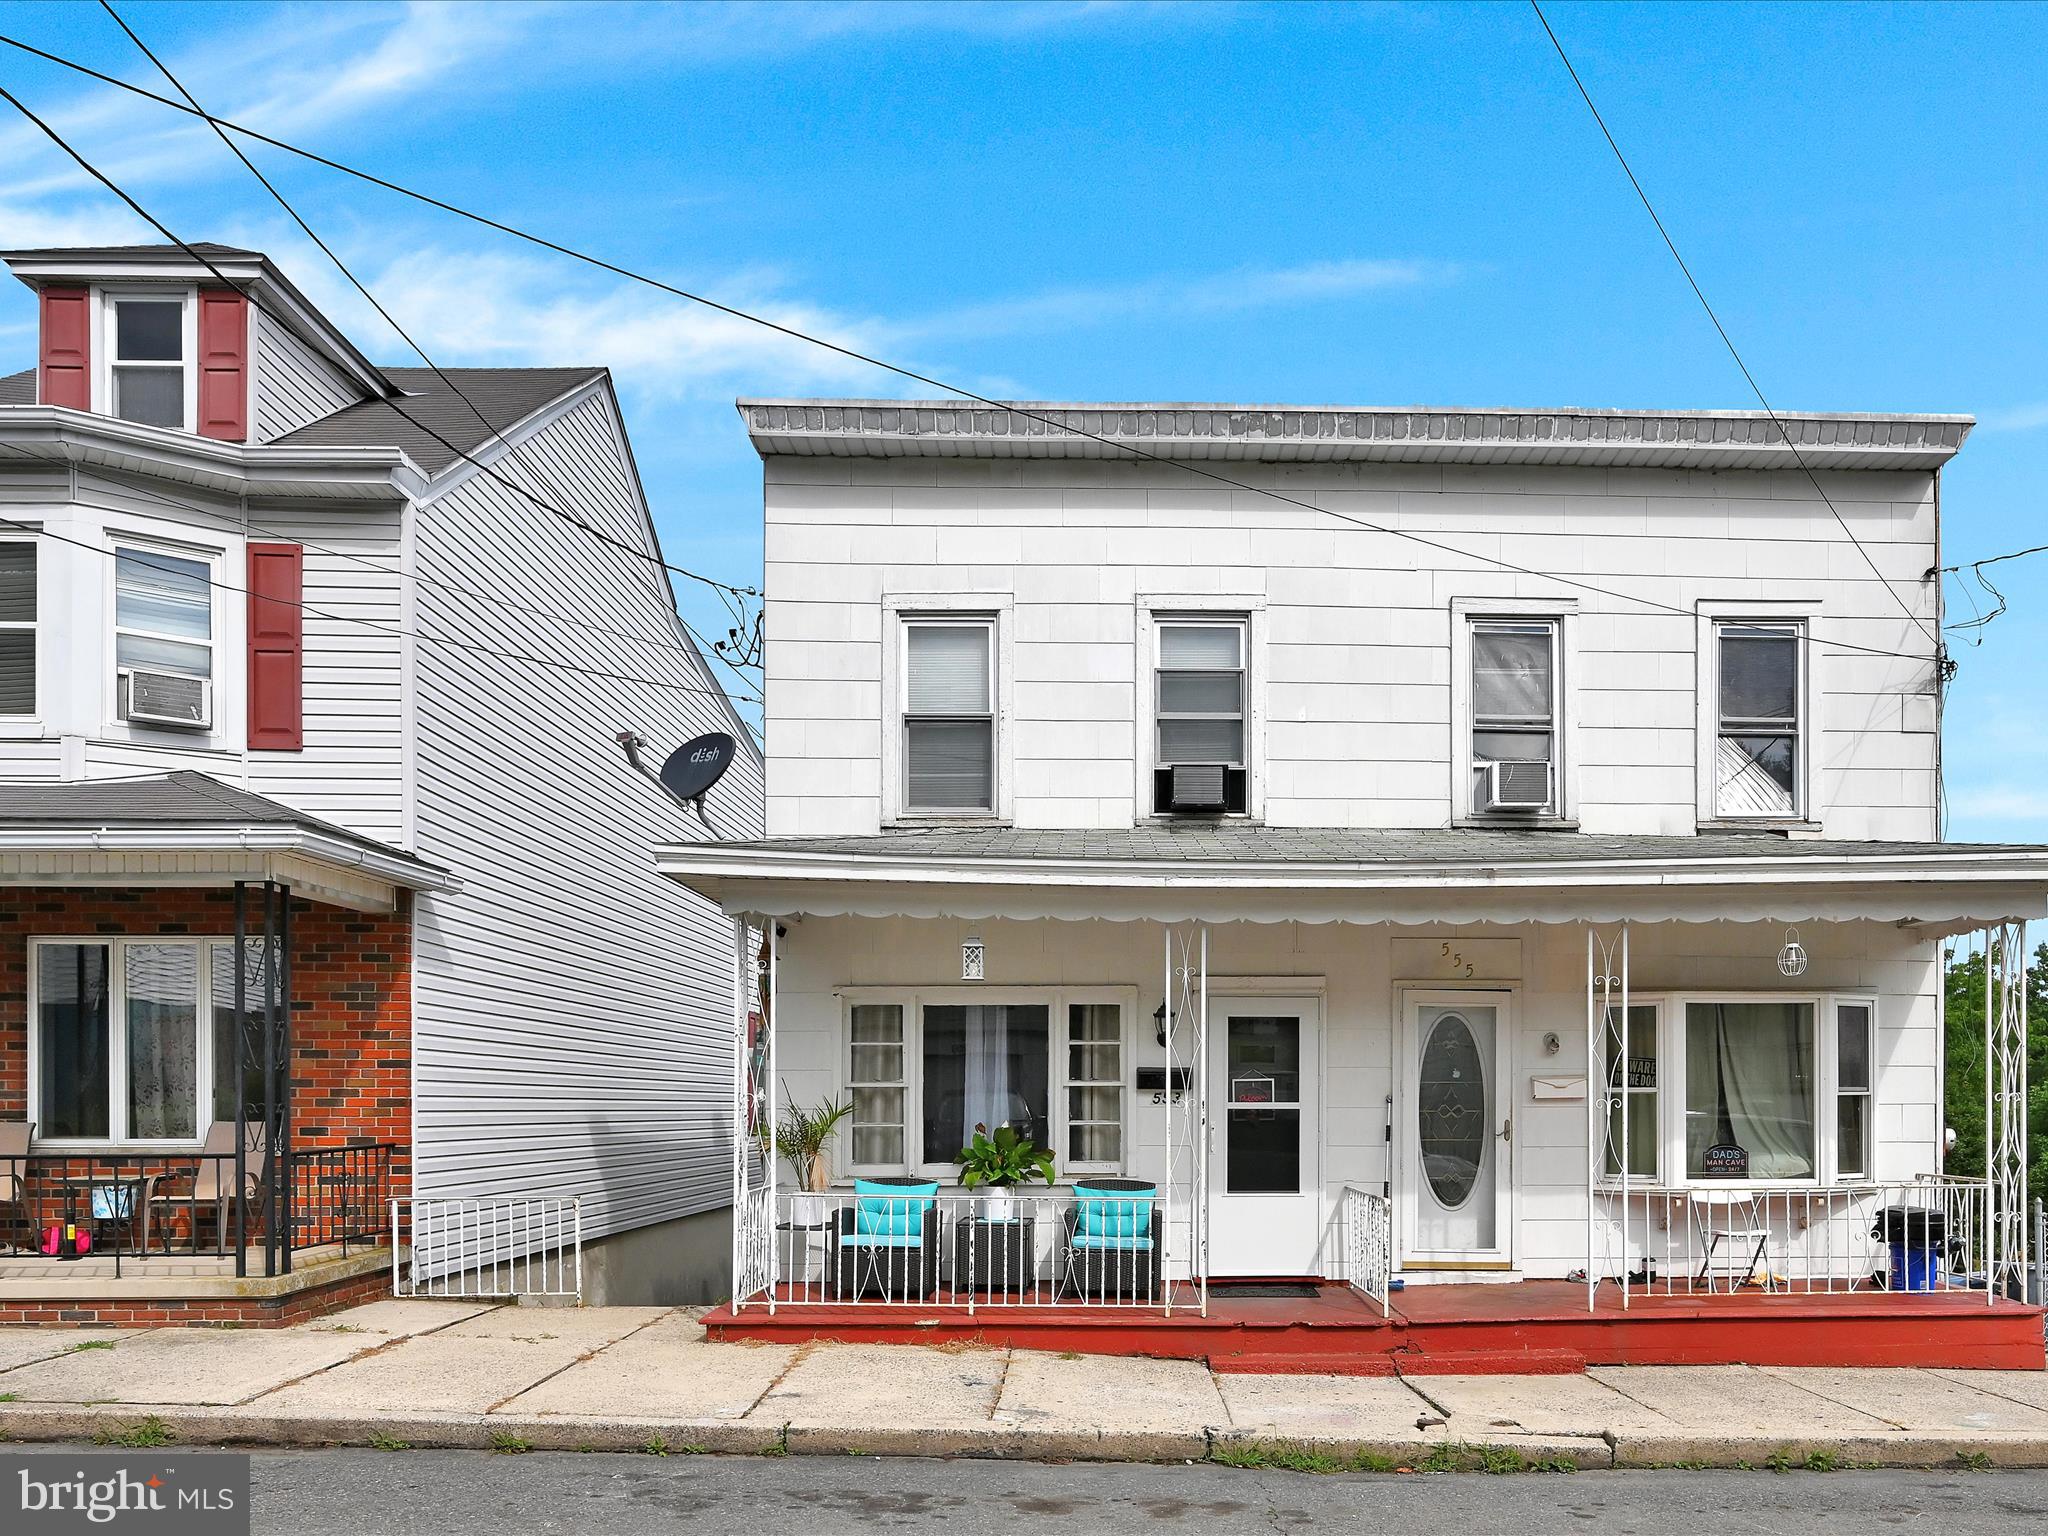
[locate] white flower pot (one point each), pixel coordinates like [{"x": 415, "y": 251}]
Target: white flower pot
[
  {"x": 807, "y": 1210},
  {"x": 998, "y": 1205}
]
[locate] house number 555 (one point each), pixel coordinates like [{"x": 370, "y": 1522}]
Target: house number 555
[{"x": 1459, "y": 965}]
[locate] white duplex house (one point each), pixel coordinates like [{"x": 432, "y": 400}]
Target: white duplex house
[
  {"x": 1434, "y": 845},
  {"x": 295, "y": 642}
]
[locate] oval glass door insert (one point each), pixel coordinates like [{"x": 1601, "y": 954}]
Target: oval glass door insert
[{"x": 1450, "y": 1107}]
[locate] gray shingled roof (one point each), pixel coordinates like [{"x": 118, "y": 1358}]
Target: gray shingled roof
[
  {"x": 18, "y": 388},
  {"x": 1401, "y": 434},
  {"x": 1236, "y": 843},
  {"x": 503, "y": 396},
  {"x": 182, "y": 799},
  {"x": 161, "y": 248}
]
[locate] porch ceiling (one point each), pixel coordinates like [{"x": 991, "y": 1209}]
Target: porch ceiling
[
  {"x": 1234, "y": 873},
  {"x": 186, "y": 829}
]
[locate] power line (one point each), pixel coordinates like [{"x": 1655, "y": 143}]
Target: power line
[
  {"x": 1065, "y": 428},
  {"x": 1726, "y": 340},
  {"x": 388, "y": 402},
  {"x": 378, "y": 624},
  {"x": 499, "y": 600}
]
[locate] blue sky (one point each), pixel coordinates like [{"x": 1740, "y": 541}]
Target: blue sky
[{"x": 1372, "y": 205}]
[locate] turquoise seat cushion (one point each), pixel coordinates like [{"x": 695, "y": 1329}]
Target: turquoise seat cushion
[
  {"x": 891, "y": 1210},
  {"x": 879, "y": 1240},
  {"x": 1124, "y": 1214},
  {"x": 1103, "y": 1243}
]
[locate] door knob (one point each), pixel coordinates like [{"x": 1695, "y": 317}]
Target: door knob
[{"x": 1507, "y": 1130}]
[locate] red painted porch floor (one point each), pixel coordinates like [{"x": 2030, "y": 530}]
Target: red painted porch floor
[{"x": 1529, "y": 1327}]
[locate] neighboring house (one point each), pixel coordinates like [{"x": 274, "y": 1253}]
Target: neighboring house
[
  {"x": 1396, "y": 906},
  {"x": 257, "y": 626}
]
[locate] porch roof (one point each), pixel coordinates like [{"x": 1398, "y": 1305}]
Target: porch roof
[
  {"x": 1231, "y": 872},
  {"x": 189, "y": 829}
]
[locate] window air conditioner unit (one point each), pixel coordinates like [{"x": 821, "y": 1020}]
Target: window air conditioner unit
[
  {"x": 1517, "y": 786},
  {"x": 166, "y": 698},
  {"x": 1197, "y": 787}
]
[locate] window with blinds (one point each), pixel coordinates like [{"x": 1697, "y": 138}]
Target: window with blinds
[
  {"x": 17, "y": 627},
  {"x": 949, "y": 726},
  {"x": 1757, "y": 691},
  {"x": 1514, "y": 696}
]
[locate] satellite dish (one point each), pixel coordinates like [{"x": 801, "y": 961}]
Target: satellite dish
[{"x": 695, "y": 766}]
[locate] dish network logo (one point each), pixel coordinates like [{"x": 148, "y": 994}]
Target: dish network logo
[{"x": 103, "y": 1499}]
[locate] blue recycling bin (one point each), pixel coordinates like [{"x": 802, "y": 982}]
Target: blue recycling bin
[{"x": 1916, "y": 1238}]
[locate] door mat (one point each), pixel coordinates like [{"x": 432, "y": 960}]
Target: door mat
[{"x": 1282, "y": 1290}]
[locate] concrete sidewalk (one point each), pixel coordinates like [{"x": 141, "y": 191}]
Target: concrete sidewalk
[{"x": 425, "y": 1373}]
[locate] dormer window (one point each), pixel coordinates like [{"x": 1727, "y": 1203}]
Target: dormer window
[{"x": 146, "y": 358}]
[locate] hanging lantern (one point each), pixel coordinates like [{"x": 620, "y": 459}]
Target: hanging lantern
[{"x": 1792, "y": 958}]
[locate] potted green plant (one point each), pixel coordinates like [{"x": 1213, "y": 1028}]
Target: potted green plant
[
  {"x": 999, "y": 1163},
  {"x": 801, "y": 1137}
]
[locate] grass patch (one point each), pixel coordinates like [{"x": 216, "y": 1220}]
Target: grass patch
[
  {"x": 854, "y": 1450},
  {"x": 1499, "y": 1459},
  {"x": 383, "y": 1442},
  {"x": 1442, "y": 1457},
  {"x": 655, "y": 1445},
  {"x": 151, "y": 1432},
  {"x": 1554, "y": 1464},
  {"x": 777, "y": 1449},
  {"x": 1373, "y": 1461},
  {"x": 79, "y": 1349},
  {"x": 505, "y": 1443},
  {"x": 10, "y": 1397},
  {"x": 1974, "y": 1461},
  {"x": 1822, "y": 1461}
]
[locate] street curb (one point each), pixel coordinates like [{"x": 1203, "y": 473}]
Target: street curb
[{"x": 513, "y": 1433}]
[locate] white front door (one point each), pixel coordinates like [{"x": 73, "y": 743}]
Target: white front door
[
  {"x": 1265, "y": 1200},
  {"x": 1454, "y": 1131}
]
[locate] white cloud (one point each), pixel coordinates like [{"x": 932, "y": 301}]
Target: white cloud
[
  {"x": 2019, "y": 418},
  {"x": 2000, "y": 802}
]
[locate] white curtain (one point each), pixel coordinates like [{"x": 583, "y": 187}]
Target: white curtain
[
  {"x": 990, "y": 1101},
  {"x": 1749, "y": 1083}
]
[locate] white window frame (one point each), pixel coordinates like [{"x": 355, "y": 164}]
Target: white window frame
[
  {"x": 1655, "y": 1094},
  {"x": 108, "y": 336},
  {"x": 917, "y": 1158},
  {"x": 1156, "y": 608},
  {"x": 34, "y": 627},
  {"x": 1561, "y": 613},
  {"x": 1832, "y": 1080},
  {"x": 1672, "y": 1087},
  {"x": 1712, "y": 615},
  {"x": 221, "y": 623},
  {"x": 117, "y": 1037},
  {"x": 899, "y": 613}
]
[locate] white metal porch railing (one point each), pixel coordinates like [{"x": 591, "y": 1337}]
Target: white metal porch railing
[
  {"x": 489, "y": 1249},
  {"x": 1928, "y": 1234},
  {"x": 956, "y": 1251},
  {"x": 1366, "y": 1228}
]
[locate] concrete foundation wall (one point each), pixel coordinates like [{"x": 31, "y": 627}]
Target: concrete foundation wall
[{"x": 683, "y": 1262}]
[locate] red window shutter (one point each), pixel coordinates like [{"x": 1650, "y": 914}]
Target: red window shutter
[
  {"x": 277, "y": 627},
  {"x": 67, "y": 348},
  {"x": 223, "y": 365}
]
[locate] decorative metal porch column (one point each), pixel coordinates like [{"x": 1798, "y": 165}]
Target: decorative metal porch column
[
  {"x": 2005, "y": 1104},
  {"x": 753, "y": 1167},
  {"x": 1187, "y": 1024},
  {"x": 1606, "y": 1100},
  {"x": 272, "y": 1047}
]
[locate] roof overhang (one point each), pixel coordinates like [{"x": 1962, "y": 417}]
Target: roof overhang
[
  {"x": 57, "y": 434},
  {"x": 319, "y": 866},
  {"x": 1938, "y": 892},
  {"x": 1753, "y": 440}
]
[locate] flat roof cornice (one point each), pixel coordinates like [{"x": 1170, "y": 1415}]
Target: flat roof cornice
[{"x": 1294, "y": 433}]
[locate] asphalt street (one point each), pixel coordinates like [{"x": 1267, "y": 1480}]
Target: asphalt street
[{"x": 457, "y": 1493}]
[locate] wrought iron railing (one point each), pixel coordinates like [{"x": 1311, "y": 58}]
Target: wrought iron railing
[
  {"x": 1366, "y": 1229},
  {"x": 1926, "y": 1234},
  {"x": 489, "y": 1247},
  {"x": 966, "y": 1251}
]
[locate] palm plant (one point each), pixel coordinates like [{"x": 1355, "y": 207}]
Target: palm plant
[{"x": 802, "y": 1135}]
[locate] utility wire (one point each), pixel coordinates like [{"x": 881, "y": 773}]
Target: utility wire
[
  {"x": 1726, "y": 340},
  {"x": 1064, "y": 428}
]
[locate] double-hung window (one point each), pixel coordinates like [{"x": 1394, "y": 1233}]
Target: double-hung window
[
  {"x": 1855, "y": 1076},
  {"x": 17, "y": 627},
  {"x": 1758, "y": 753},
  {"x": 949, "y": 719},
  {"x": 1199, "y": 704},
  {"x": 1632, "y": 1102},
  {"x": 163, "y": 637},
  {"x": 1515, "y": 692},
  {"x": 146, "y": 360},
  {"x": 134, "y": 1040}
]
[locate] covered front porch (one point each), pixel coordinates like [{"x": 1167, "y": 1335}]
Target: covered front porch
[{"x": 1524, "y": 1109}]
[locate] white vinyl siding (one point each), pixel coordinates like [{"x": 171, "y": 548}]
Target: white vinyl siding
[
  {"x": 294, "y": 384},
  {"x": 572, "y": 1008}
]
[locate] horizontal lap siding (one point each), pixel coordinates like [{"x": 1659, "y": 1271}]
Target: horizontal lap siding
[
  {"x": 573, "y": 1008},
  {"x": 1357, "y": 691},
  {"x": 294, "y": 384}
]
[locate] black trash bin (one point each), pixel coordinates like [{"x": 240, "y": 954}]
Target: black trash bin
[{"x": 1917, "y": 1238}]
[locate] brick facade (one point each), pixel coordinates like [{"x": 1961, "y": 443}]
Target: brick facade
[{"x": 351, "y": 1077}]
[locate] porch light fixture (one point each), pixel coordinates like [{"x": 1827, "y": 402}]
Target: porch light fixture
[
  {"x": 1159, "y": 1022},
  {"x": 1792, "y": 958},
  {"x": 972, "y": 956}
]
